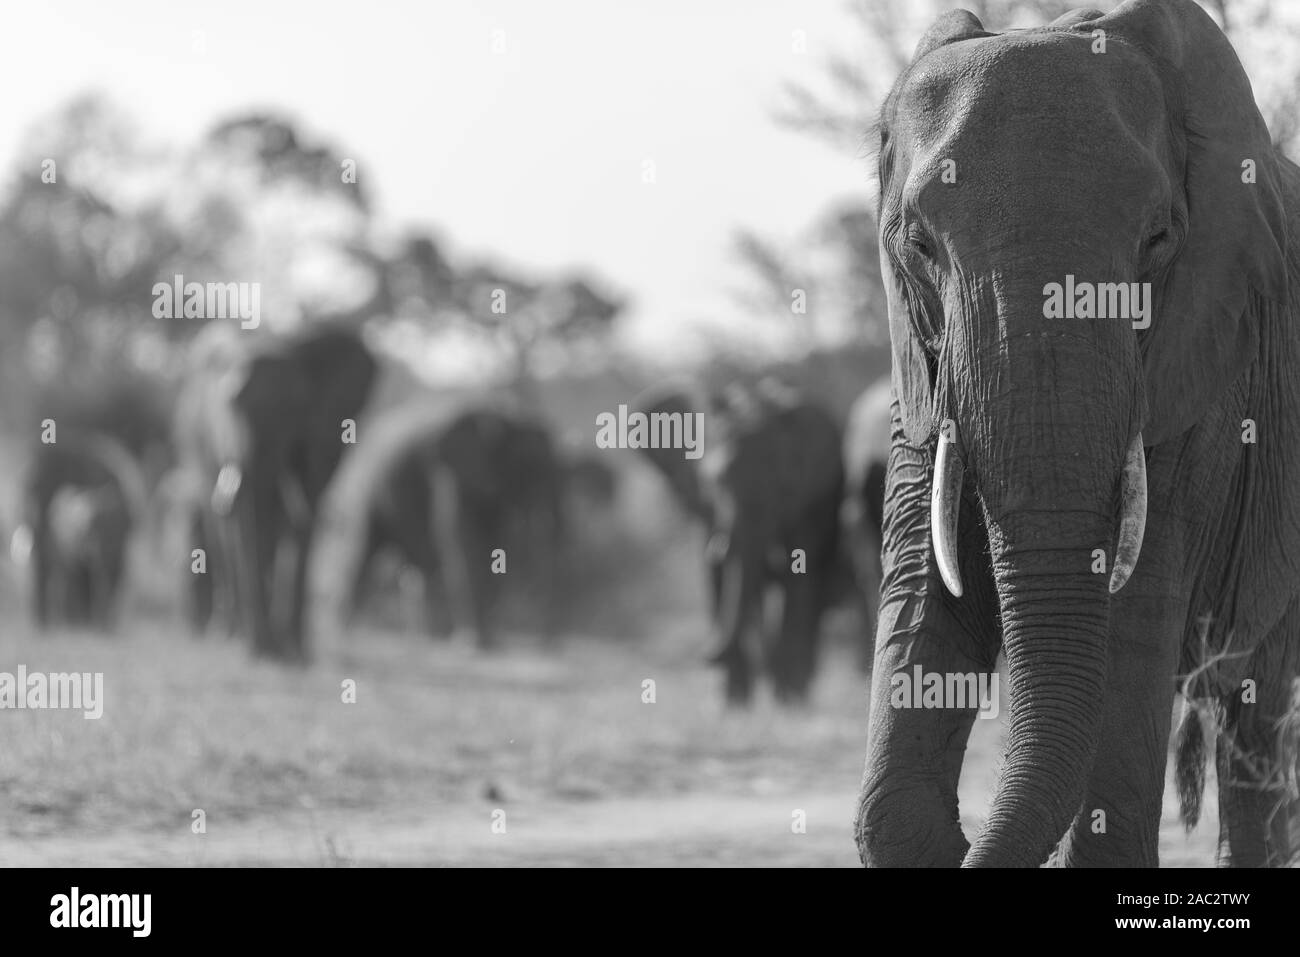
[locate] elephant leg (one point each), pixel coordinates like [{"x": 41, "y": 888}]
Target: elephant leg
[
  {"x": 96, "y": 592},
  {"x": 70, "y": 604},
  {"x": 437, "y": 603},
  {"x": 42, "y": 571},
  {"x": 1258, "y": 756},
  {"x": 112, "y": 585},
  {"x": 865, "y": 546},
  {"x": 741, "y": 601},
  {"x": 550, "y": 559},
  {"x": 479, "y": 531},
  {"x": 795, "y": 654},
  {"x": 227, "y": 584},
  {"x": 1118, "y": 823},
  {"x": 423, "y": 552},
  {"x": 908, "y": 813},
  {"x": 360, "y": 580},
  {"x": 256, "y": 561},
  {"x": 871, "y": 574},
  {"x": 303, "y": 539},
  {"x": 200, "y": 587}
]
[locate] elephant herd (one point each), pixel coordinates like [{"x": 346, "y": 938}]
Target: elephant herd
[{"x": 458, "y": 492}]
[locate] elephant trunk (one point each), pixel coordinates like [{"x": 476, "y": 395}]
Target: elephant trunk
[
  {"x": 1047, "y": 420},
  {"x": 1048, "y": 557},
  {"x": 1055, "y": 621}
]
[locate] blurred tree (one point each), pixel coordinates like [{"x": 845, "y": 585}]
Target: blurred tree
[
  {"x": 81, "y": 243},
  {"x": 280, "y": 152},
  {"x": 261, "y": 202},
  {"x": 525, "y": 322},
  {"x": 92, "y": 217},
  {"x": 824, "y": 285}
]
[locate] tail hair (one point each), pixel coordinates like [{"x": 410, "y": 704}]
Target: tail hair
[{"x": 1189, "y": 763}]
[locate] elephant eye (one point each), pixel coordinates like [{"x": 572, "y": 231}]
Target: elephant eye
[
  {"x": 918, "y": 242},
  {"x": 1156, "y": 249}
]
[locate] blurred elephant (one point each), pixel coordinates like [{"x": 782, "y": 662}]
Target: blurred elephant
[
  {"x": 261, "y": 427},
  {"x": 453, "y": 493},
  {"x": 866, "y": 454},
  {"x": 768, "y": 490},
  {"x": 81, "y": 497},
  {"x": 589, "y": 482}
]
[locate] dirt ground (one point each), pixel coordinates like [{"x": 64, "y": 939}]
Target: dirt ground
[{"x": 446, "y": 758}]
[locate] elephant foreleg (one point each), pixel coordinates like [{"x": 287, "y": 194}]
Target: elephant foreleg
[
  {"x": 1118, "y": 823},
  {"x": 360, "y": 579},
  {"x": 423, "y": 553},
  {"x": 297, "y": 634},
  {"x": 1258, "y": 756},
  {"x": 794, "y": 657},
  {"x": 480, "y": 537},
  {"x": 741, "y": 598},
  {"x": 255, "y": 562},
  {"x": 42, "y": 570}
]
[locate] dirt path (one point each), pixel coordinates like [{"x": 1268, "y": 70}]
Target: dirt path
[{"x": 695, "y": 830}]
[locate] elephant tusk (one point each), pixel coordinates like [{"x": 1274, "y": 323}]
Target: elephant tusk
[
  {"x": 229, "y": 479},
  {"x": 1133, "y": 514},
  {"x": 945, "y": 503}
]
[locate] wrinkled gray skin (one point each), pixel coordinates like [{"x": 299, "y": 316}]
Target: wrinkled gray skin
[
  {"x": 770, "y": 481},
  {"x": 1122, "y": 166},
  {"x": 866, "y": 454},
  {"x": 453, "y": 492},
  {"x": 259, "y": 430},
  {"x": 81, "y": 497}
]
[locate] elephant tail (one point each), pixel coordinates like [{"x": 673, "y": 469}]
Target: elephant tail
[{"x": 1189, "y": 764}]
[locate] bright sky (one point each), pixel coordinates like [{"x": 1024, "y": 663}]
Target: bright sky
[{"x": 537, "y": 153}]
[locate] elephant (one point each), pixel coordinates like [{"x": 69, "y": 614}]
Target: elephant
[
  {"x": 588, "y": 482},
  {"x": 454, "y": 491},
  {"x": 260, "y": 428},
  {"x": 1110, "y": 492},
  {"x": 81, "y": 496},
  {"x": 866, "y": 453},
  {"x": 767, "y": 490}
]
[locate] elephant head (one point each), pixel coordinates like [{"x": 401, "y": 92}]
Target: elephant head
[{"x": 1121, "y": 156}]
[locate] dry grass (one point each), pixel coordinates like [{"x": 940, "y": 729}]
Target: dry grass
[{"x": 439, "y": 737}]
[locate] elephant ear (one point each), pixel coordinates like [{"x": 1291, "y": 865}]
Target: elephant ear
[
  {"x": 682, "y": 474},
  {"x": 1206, "y": 327},
  {"x": 912, "y": 371},
  {"x": 337, "y": 372},
  {"x": 912, "y": 376}
]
